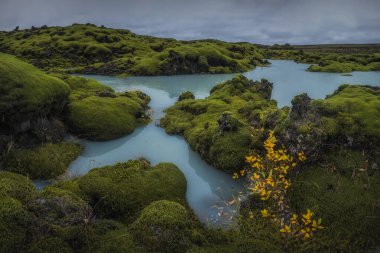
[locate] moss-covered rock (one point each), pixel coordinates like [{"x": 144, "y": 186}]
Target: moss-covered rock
[
  {"x": 13, "y": 225},
  {"x": 163, "y": 226},
  {"x": 219, "y": 127},
  {"x": 46, "y": 161},
  {"x": 100, "y": 50},
  {"x": 186, "y": 95},
  {"x": 118, "y": 241},
  {"x": 122, "y": 190},
  {"x": 344, "y": 192},
  {"x": 346, "y": 117},
  {"x": 62, "y": 214},
  {"x": 28, "y": 94},
  {"x": 17, "y": 186},
  {"x": 49, "y": 244},
  {"x": 96, "y": 112}
]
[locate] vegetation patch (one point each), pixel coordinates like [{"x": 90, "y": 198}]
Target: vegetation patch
[
  {"x": 123, "y": 190},
  {"x": 46, "y": 161},
  {"x": 86, "y": 48},
  {"x": 96, "y": 112},
  {"x": 163, "y": 226},
  {"x": 219, "y": 127}
]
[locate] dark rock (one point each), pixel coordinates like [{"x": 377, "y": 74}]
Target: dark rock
[
  {"x": 106, "y": 93},
  {"x": 227, "y": 122},
  {"x": 264, "y": 87},
  {"x": 300, "y": 106}
]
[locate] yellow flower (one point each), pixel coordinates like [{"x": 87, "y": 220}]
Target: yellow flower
[
  {"x": 235, "y": 176},
  {"x": 306, "y": 218},
  {"x": 294, "y": 218},
  {"x": 301, "y": 156},
  {"x": 317, "y": 224},
  {"x": 285, "y": 229},
  {"x": 264, "y": 213},
  {"x": 250, "y": 214}
]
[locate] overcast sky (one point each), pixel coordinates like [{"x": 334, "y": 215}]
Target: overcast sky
[{"x": 258, "y": 21}]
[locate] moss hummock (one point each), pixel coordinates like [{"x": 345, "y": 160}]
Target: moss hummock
[
  {"x": 96, "y": 112},
  {"x": 219, "y": 127},
  {"x": 122, "y": 190},
  {"x": 344, "y": 192},
  {"x": 46, "y": 161},
  {"x": 163, "y": 226},
  {"x": 17, "y": 186},
  {"x": 28, "y": 93},
  {"x": 86, "y": 48}
]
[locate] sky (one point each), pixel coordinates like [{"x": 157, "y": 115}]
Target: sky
[{"x": 257, "y": 21}]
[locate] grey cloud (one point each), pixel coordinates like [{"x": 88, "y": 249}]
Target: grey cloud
[{"x": 258, "y": 21}]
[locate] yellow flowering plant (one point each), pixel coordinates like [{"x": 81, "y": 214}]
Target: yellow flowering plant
[{"x": 268, "y": 177}]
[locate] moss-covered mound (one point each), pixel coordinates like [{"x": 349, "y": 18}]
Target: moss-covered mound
[
  {"x": 96, "y": 112},
  {"x": 91, "y": 49},
  {"x": 46, "y": 161},
  {"x": 27, "y": 93},
  {"x": 163, "y": 226},
  {"x": 117, "y": 241},
  {"x": 186, "y": 95},
  {"x": 219, "y": 127},
  {"x": 350, "y": 116},
  {"x": 344, "y": 192},
  {"x": 337, "y": 62},
  {"x": 16, "y": 191},
  {"x": 121, "y": 191},
  {"x": 13, "y": 224},
  {"x": 17, "y": 186}
]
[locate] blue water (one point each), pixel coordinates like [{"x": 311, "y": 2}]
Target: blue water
[{"x": 208, "y": 189}]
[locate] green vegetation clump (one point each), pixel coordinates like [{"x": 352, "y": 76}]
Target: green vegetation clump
[
  {"x": 219, "y": 127},
  {"x": 46, "y": 161},
  {"x": 96, "y": 112},
  {"x": 186, "y": 95},
  {"x": 27, "y": 93},
  {"x": 13, "y": 224},
  {"x": 346, "y": 117},
  {"x": 123, "y": 190},
  {"x": 118, "y": 241},
  {"x": 336, "y": 62},
  {"x": 344, "y": 192},
  {"x": 86, "y": 48},
  {"x": 163, "y": 226},
  {"x": 17, "y": 186}
]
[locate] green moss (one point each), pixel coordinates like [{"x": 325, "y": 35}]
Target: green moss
[
  {"x": 62, "y": 214},
  {"x": 118, "y": 241},
  {"x": 27, "y": 92},
  {"x": 186, "y": 95},
  {"x": 49, "y": 244},
  {"x": 340, "y": 62},
  {"x": 46, "y": 161},
  {"x": 96, "y": 112},
  {"x": 121, "y": 191},
  {"x": 219, "y": 127},
  {"x": 345, "y": 198},
  {"x": 354, "y": 109},
  {"x": 163, "y": 226},
  {"x": 17, "y": 186},
  {"x": 91, "y": 49},
  {"x": 13, "y": 225}
]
